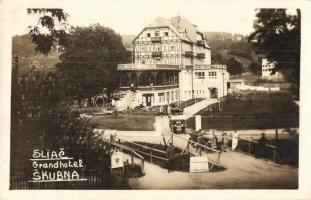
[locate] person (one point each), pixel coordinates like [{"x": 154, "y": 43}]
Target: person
[
  {"x": 224, "y": 141},
  {"x": 261, "y": 148},
  {"x": 214, "y": 140},
  {"x": 235, "y": 140},
  {"x": 168, "y": 110},
  {"x": 161, "y": 111},
  {"x": 170, "y": 156},
  {"x": 132, "y": 87}
]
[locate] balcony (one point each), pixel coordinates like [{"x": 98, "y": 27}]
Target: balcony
[
  {"x": 189, "y": 53},
  {"x": 156, "y": 39},
  {"x": 156, "y": 54},
  {"x": 150, "y": 88},
  {"x": 143, "y": 67},
  {"x": 201, "y": 43},
  {"x": 189, "y": 67},
  {"x": 201, "y": 55}
]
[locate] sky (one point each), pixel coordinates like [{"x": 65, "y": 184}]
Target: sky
[{"x": 130, "y": 16}]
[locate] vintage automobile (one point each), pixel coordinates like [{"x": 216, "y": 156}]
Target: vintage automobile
[
  {"x": 178, "y": 123},
  {"x": 176, "y": 110}
]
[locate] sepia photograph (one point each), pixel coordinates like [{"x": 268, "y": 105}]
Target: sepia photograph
[{"x": 147, "y": 95}]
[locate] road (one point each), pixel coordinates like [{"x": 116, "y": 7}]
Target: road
[{"x": 241, "y": 172}]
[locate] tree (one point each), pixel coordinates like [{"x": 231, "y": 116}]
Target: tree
[
  {"x": 277, "y": 35},
  {"x": 217, "y": 58},
  {"x": 234, "y": 66},
  {"x": 255, "y": 68},
  {"x": 90, "y": 60},
  {"x": 41, "y": 121},
  {"x": 50, "y": 29}
]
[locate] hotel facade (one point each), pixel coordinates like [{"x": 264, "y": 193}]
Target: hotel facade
[{"x": 171, "y": 63}]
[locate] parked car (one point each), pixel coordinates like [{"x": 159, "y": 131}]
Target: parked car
[
  {"x": 177, "y": 110},
  {"x": 178, "y": 123}
]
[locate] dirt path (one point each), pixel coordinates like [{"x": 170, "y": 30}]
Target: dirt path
[{"x": 242, "y": 172}]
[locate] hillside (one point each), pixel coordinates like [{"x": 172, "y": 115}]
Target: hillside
[
  {"x": 23, "y": 47},
  {"x": 127, "y": 41},
  {"x": 224, "y": 46}
]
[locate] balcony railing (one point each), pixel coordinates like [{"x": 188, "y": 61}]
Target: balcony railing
[
  {"x": 201, "y": 55},
  {"x": 157, "y": 54},
  {"x": 156, "y": 39},
  {"x": 201, "y": 42},
  {"x": 154, "y": 87},
  {"x": 189, "y": 67},
  {"x": 189, "y": 53}
]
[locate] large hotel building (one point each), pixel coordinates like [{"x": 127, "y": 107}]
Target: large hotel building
[{"x": 171, "y": 63}]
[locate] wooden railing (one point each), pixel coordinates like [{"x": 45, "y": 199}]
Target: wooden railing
[
  {"x": 189, "y": 53},
  {"x": 201, "y": 55},
  {"x": 156, "y": 54},
  {"x": 253, "y": 147},
  {"x": 200, "y": 149},
  {"x": 135, "y": 148},
  {"x": 156, "y": 39},
  {"x": 132, "y": 153}
]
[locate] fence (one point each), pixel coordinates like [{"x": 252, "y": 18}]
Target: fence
[
  {"x": 230, "y": 122},
  {"x": 133, "y": 154},
  {"x": 147, "y": 151},
  {"x": 253, "y": 148},
  {"x": 198, "y": 149}
]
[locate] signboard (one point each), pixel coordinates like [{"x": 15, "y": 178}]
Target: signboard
[
  {"x": 117, "y": 160},
  {"x": 199, "y": 164}
]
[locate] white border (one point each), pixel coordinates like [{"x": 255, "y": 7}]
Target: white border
[{"x": 304, "y": 191}]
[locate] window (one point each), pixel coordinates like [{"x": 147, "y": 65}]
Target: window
[
  {"x": 143, "y": 61},
  {"x": 168, "y": 97},
  {"x": 200, "y": 75},
  {"x": 157, "y": 33},
  {"x": 172, "y": 48},
  {"x": 158, "y": 59},
  {"x": 148, "y": 34},
  {"x": 161, "y": 97},
  {"x": 212, "y": 74},
  {"x": 166, "y": 33}
]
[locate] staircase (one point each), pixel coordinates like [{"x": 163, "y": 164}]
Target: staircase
[
  {"x": 122, "y": 103},
  {"x": 128, "y": 100}
]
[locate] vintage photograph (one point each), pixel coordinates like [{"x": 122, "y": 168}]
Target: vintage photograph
[{"x": 141, "y": 95}]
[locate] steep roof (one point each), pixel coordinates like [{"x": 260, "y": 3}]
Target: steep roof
[
  {"x": 184, "y": 26},
  {"x": 163, "y": 22},
  {"x": 180, "y": 26}
]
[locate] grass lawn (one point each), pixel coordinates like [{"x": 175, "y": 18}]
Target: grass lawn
[
  {"x": 251, "y": 111},
  {"x": 125, "y": 122}
]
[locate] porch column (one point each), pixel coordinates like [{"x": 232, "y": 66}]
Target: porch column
[
  {"x": 155, "y": 77},
  {"x": 138, "y": 77}
]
